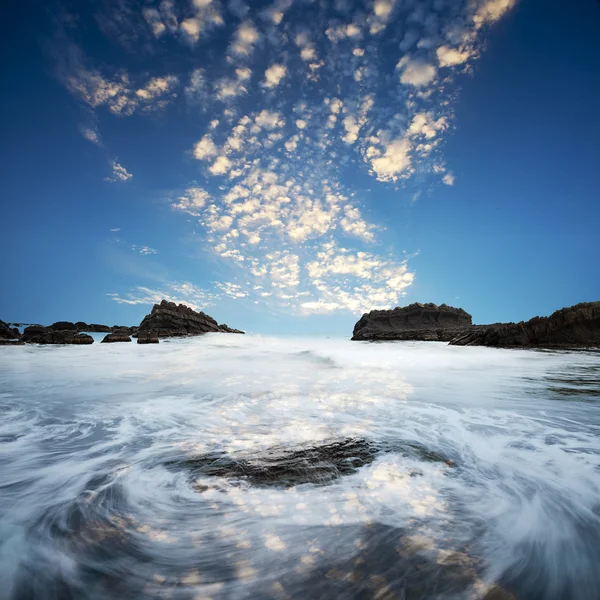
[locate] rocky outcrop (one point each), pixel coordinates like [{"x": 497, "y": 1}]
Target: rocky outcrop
[
  {"x": 426, "y": 322},
  {"x": 147, "y": 337},
  {"x": 63, "y": 326},
  {"x": 8, "y": 333},
  {"x": 93, "y": 327},
  {"x": 38, "y": 334},
  {"x": 573, "y": 327},
  {"x": 168, "y": 319},
  {"x": 118, "y": 336}
]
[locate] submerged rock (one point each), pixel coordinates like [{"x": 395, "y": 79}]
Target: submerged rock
[
  {"x": 38, "y": 334},
  {"x": 147, "y": 337},
  {"x": 118, "y": 336},
  {"x": 427, "y": 322},
  {"x": 575, "y": 326},
  {"x": 284, "y": 467},
  {"x": 168, "y": 319},
  {"x": 287, "y": 467}
]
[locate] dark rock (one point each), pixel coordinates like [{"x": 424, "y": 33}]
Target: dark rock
[
  {"x": 8, "y": 333},
  {"x": 573, "y": 327},
  {"x": 147, "y": 337},
  {"x": 117, "y": 336},
  {"x": 92, "y": 327},
  {"x": 63, "y": 326},
  {"x": 284, "y": 467},
  {"x": 38, "y": 334},
  {"x": 226, "y": 329},
  {"x": 427, "y": 322},
  {"x": 168, "y": 319},
  {"x": 11, "y": 342}
]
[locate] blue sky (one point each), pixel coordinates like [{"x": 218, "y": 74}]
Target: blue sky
[{"x": 288, "y": 165}]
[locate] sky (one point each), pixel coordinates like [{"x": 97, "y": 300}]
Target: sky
[{"x": 287, "y": 165}]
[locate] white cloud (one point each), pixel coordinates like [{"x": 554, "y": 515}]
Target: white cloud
[
  {"x": 273, "y": 75},
  {"x": 269, "y": 119},
  {"x": 205, "y": 148},
  {"x": 119, "y": 173},
  {"x": 448, "y": 179},
  {"x": 145, "y": 250},
  {"x": 416, "y": 72},
  {"x": 91, "y": 135},
  {"x": 192, "y": 28},
  {"x": 192, "y": 201},
  {"x": 245, "y": 39},
  {"x": 449, "y": 57},
  {"x": 220, "y": 166},
  {"x": 492, "y": 10},
  {"x": 178, "y": 292},
  {"x": 394, "y": 160}
]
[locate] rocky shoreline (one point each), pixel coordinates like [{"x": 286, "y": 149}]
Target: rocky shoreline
[
  {"x": 166, "y": 319},
  {"x": 574, "y": 327}
]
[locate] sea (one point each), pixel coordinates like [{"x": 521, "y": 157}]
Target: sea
[{"x": 242, "y": 466}]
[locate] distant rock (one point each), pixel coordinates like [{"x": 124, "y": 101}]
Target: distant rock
[
  {"x": 8, "y": 333},
  {"x": 118, "y": 336},
  {"x": 168, "y": 319},
  {"x": 147, "y": 337},
  {"x": 572, "y": 327},
  {"x": 38, "y": 334},
  {"x": 92, "y": 327},
  {"x": 426, "y": 322},
  {"x": 63, "y": 326}
]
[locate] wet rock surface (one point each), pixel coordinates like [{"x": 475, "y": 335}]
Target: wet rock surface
[
  {"x": 426, "y": 322},
  {"x": 118, "y": 336},
  {"x": 285, "y": 468},
  {"x": 38, "y": 334},
  {"x": 288, "y": 467},
  {"x": 147, "y": 337},
  {"x": 168, "y": 319},
  {"x": 572, "y": 327}
]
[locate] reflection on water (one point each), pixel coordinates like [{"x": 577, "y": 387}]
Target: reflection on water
[{"x": 220, "y": 467}]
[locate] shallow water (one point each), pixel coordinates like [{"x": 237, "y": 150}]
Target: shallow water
[{"x": 233, "y": 466}]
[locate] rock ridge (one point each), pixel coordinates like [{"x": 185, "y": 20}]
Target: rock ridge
[
  {"x": 570, "y": 327},
  {"x": 168, "y": 319},
  {"x": 428, "y": 322}
]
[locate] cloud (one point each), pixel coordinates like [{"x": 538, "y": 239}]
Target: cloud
[
  {"x": 119, "y": 173},
  {"x": 90, "y": 134},
  {"x": 448, "y": 179},
  {"x": 416, "y": 72},
  {"x": 144, "y": 250},
  {"x": 394, "y": 160},
  {"x": 449, "y": 57},
  {"x": 178, "y": 292},
  {"x": 205, "y": 148},
  {"x": 246, "y": 38},
  {"x": 273, "y": 75},
  {"x": 337, "y": 90}
]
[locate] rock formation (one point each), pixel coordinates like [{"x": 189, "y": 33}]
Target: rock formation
[
  {"x": 63, "y": 326},
  {"x": 8, "y": 333},
  {"x": 93, "y": 327},
  {"x": 168, "y": 319},
  {"x": 147, "y": 337},
  {"x": 117, "y": 336},
  {"x": 427, "y": 322},
  {"x": 576, "y": 326},
  {"x": 38, "y": 334}
]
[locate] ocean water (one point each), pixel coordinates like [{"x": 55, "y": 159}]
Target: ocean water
[{"x": 235, "y": 467}]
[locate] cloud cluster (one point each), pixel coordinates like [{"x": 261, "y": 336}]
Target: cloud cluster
[
  {"x": 366, "y": 88},
  {"x": 119, "y": 173}
]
